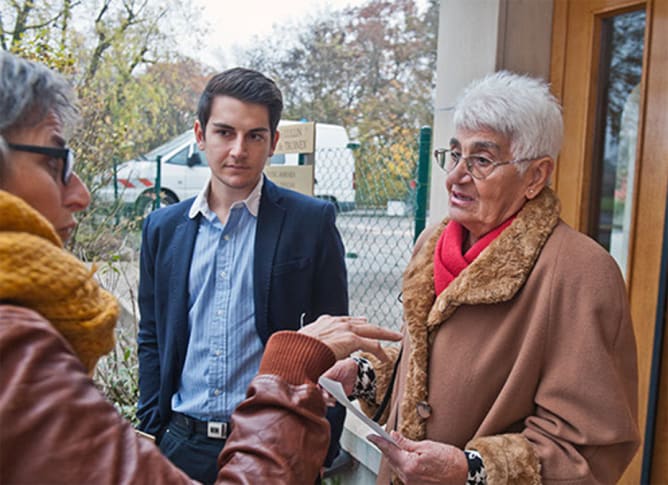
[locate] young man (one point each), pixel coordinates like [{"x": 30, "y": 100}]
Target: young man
[{"x": 220, "y": 273}]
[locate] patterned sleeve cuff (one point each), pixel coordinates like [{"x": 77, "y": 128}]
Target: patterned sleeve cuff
[
  {"x": 365, "y": 384},
  {"x": 477, "y": 474}
]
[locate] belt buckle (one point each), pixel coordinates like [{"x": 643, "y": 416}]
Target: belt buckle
[{"x": 216, "y": 430}]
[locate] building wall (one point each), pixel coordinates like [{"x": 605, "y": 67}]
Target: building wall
[{"x": 475, "y": 38}]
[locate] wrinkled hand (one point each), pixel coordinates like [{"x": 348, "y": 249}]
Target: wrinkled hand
[
  {"x": 344, "y": 335},
  {"x": 423, "y": 462},
  {"x": 344, "y": 371}
]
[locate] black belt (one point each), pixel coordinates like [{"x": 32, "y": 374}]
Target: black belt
[{"x": 218, "y": 430}]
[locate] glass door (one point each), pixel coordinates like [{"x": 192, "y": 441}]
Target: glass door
[
  {"x": 616, "y": 132},
  {"x": 610, "y": 71}
]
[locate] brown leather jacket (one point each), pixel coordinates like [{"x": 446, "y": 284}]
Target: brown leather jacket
[{"x": 56, "y": 427}]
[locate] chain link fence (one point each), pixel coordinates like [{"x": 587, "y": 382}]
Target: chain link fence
[
  {"x": 378, "y": 230},
  {"x": 374, "y": 185}
]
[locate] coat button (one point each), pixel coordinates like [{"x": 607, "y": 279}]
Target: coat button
[{"x": 423, "y": 409}]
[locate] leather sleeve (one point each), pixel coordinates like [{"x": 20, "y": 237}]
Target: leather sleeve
[
  {"x": 279, "y": 433},
  {"x": 56, "y": 425}
]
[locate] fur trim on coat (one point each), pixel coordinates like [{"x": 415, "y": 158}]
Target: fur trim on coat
[{"x": 488, "y": 279}]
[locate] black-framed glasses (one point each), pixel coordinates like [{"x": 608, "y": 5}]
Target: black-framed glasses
[
  {"x": 477, "y": 166},
  {"x": 65, "y": 154}
]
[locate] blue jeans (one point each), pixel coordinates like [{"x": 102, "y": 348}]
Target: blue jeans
[{"x": 193, "y": 453}]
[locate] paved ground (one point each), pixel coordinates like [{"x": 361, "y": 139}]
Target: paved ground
[{"x": 378, "y": 248}]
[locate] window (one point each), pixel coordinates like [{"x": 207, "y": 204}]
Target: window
[
  {"x": 180, "y": 157},
  {"x": 277, "y": 159},
  {"x": 616, "y": 132}
]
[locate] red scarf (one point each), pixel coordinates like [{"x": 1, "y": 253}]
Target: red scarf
[{"x": 448, "y": 258}]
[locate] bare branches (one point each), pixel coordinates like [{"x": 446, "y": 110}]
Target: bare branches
[
  {"x": 107, "y": 34},
  {"x": 25, "y": 10}
]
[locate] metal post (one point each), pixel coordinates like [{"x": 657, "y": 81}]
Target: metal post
[
  {"x": 424, "y": 164},
  {"x": 158, "y": 175},
  {"x": 115, "y": 179},
  {"x": 115, "y": 162}
]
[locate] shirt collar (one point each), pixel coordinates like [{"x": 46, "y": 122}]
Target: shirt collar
[{"x": 201, "y": 204}]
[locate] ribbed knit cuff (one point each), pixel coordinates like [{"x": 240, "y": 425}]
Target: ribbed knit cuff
[{"x": 295, "y": 357}]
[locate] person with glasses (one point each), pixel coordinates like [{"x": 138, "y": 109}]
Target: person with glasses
[
  {"x": 56, "y": 321},
  {"x": 518, "y": 364},
  {"x": 39, "y": 167}
]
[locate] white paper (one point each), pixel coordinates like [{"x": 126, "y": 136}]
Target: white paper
[{"x": 336, "y": 389}]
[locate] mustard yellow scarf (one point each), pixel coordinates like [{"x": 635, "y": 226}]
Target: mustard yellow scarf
[{"x": 37, "y": 273}]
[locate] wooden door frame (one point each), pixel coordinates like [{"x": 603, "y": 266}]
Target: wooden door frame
[
  {"x": 658, "y": 395},
  {"x": 574, "y": 73}
]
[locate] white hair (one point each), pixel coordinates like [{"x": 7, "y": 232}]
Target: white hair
[{"x": 519, "y": 107}]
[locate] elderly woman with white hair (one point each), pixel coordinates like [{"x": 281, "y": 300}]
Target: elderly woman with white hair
[{"x": 519, "y": 361}]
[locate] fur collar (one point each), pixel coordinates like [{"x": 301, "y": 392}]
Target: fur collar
[{"x": 495, "y": 276}]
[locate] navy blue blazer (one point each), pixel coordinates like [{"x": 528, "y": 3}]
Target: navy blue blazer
[{"x": 299, "y": 268}]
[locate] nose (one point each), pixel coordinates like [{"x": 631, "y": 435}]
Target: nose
[
  {"x": 238, "y": 149},
  {"x": 77, "y": 196},
  {"x": 458, "y": 173}
]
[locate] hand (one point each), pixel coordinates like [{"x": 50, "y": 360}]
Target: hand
[
  {"x": 344, "y": 335},
  {"x": 344, "y": 371},
  {"x": 423, "y": 462}
]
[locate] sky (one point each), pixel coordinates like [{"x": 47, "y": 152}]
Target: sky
[{"x": 235, "y": 22}]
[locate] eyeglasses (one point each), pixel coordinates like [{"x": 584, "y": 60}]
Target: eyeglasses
[
  {"x": 65, "y": 154},
  {"x": 476, "y": 166}
]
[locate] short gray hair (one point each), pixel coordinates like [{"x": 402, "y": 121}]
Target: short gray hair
[
  {"x": 519, "y": 107},
  {"x": 29, "y": 91}
]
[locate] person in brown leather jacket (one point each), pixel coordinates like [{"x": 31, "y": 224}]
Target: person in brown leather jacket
[{"x": 55, "y": 322}]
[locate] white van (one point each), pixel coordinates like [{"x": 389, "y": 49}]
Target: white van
[{"x": 184, "y": 170}]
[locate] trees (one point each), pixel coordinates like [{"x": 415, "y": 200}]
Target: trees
[
  {"x": 370, "y": 68},
  {"x": 135, "y": 91}
]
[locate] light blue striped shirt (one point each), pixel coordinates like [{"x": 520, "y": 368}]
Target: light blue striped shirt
[{"x": 224, "y": 350}]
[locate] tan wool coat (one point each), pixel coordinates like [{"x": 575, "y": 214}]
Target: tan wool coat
[{"x": 528, "y": 356}]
